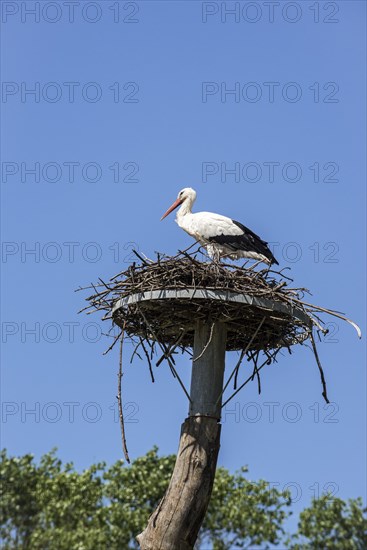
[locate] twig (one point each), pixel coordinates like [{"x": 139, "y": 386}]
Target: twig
[
  {"x": 324, "y": 390},
  {"x": 171, "y": 350},
  {"x": 248, "y": 380},
  {"x": 334, "y": 313},
  {"x": 140, "y": 257},
  {"x": 256, "y": 371},
  {"x": 113, "y": 344},
  {"x": 169, "y": 361},
  {"x": 243, "y": 353},
  {"x": 119, "y": 401},
  {"x": 148, "y": 358},
  {"x": 237, "y": 369},
  {"x": 206, "y": 345}
]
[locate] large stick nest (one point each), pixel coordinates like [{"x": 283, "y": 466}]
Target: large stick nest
[
  {"x": 158, "y": 303},
  {"x": 215, "y": 289},
  {"x": 239, "y": 296}
]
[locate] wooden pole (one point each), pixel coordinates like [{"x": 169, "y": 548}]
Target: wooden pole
[
  {"x": 175, "y": 524},
  {"x": 208, "y": 369}
]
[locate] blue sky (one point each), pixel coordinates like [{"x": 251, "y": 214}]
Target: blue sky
[{"x": 133, "y": 101}]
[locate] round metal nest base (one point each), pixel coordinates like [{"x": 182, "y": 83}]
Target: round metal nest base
[{"x": 170, "y": 316}]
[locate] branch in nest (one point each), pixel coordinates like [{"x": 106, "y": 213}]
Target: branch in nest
[
  {"x": 119, "y": 401},
  {"x": 250, "y": 378},
  {"x": 324, "y": 390}
]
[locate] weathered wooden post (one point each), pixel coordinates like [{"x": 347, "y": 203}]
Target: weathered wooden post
[{"x": 176, "y": 522}]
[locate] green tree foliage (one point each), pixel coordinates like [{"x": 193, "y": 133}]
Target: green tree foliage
[
  {"x": 50, "y": 506},
  {"x": 243, "y": 513},
  {"x": 332, "y": 524}
]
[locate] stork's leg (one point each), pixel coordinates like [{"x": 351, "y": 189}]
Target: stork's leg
[{"x": 213, "y": 253}]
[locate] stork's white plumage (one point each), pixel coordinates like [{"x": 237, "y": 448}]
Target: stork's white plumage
[{"x": 221, "y": 236}]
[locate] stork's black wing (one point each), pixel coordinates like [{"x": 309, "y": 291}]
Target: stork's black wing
[{"x": 248, "y": 241}]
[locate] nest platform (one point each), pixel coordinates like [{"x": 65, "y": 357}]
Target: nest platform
[
  {"x": 170, "y": 315},
  {"x": 161, "y": 300},
  {"x": 160, "y": 303}
]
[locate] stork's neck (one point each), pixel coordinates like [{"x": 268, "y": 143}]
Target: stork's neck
[{"x": 184, "y": 209}]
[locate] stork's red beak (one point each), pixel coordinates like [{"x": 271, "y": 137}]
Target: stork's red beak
[{"x": 171, "y": 208}]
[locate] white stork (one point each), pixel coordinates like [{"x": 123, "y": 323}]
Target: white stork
[{"x": 220, "y": 235}]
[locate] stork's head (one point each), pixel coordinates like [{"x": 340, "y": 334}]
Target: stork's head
[{"x": 187, "y": 196}]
